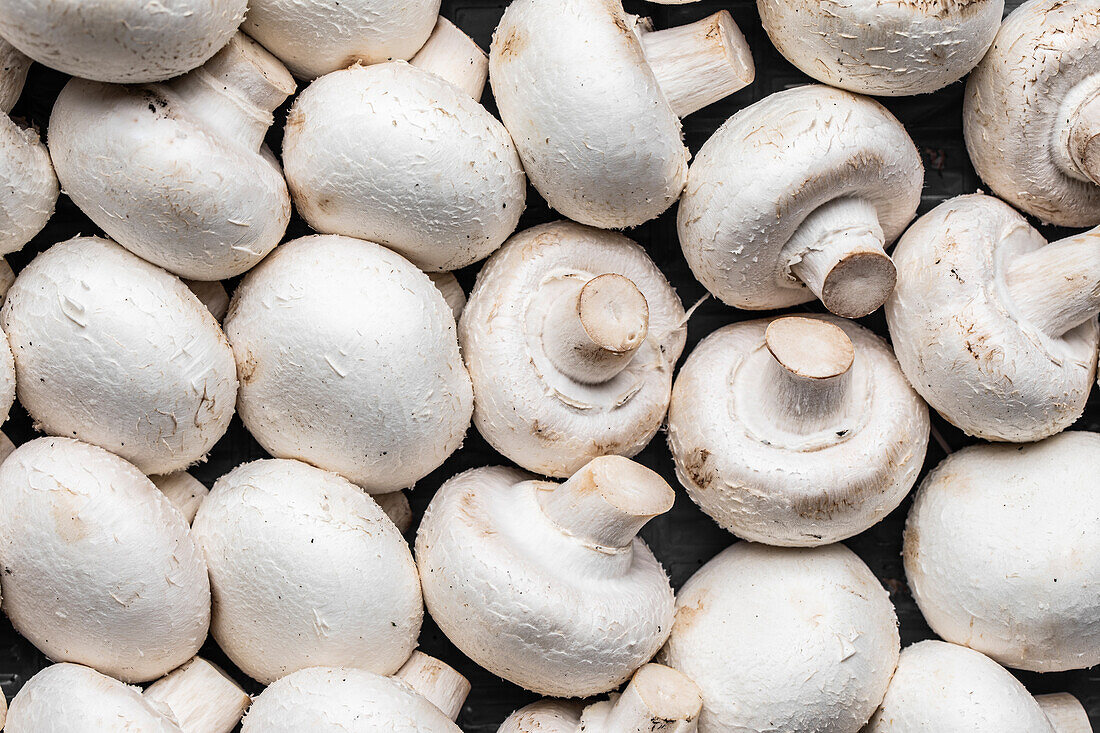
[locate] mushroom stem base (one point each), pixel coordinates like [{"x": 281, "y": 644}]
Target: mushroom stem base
[
  {"x": 1065, "y": 713},
  {"x": 201, "y": 697},
  {"x": 453, "y": 56},
  {"x": 1057, "y": 287},
  {"x": 436, "y": 682}
]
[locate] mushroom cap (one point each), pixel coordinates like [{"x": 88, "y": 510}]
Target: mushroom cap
[
  {"x": 1044, "y": 62},
  {"x": 544, "y": 716},
  {"x": 119, "y": 353},
  {"x": 530, "y": 603},
  {"x": 120, "y": 41},
  {"x": 317, "y": 37},
  {"x": 100, "y": 568},
  {"x": 797, "y": 640},
  {"x": 343, "y": 700},
  {"x": 992, "y": 529},
  {"x": 13, "y": 75},
  {"x": 888, "y": 48},
  {"x": 525, "y": 407},
  {"x": 767, "y": 484},
  {"x": 769, "y": 167},
  {"x": 959, "y": 339},
  {"x": 349, "y": 360},
  {"x": 397, "y": 155},
  {"x": 941, "y": 687},
  {"x": 28, "y": 184},
  {"x": 595, "y": 133},
  {"x": 72, "y": 698},
  {"x": 306, "y": 570}
]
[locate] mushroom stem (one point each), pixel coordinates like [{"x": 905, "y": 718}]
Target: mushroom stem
[
  {"x": 452, "y": 55},
  {"x": 13, "y": 74},
  {"x": 202, "y": 698},
  {"x": 436, "y": 682},
  {"x": 184, "y": 491},
  {"x": 396, "y": 506},
  {"x": 7, "y": 278},
  {"x": 1065, "y": 713},
  {"x": 810, "y": 373},
  {"x": 1084, "y": 139},
  {"x": 607, "y": 502},
  {"x": 838, "y": 253},
  {"x": 699, "y": 63},
  {"x": 1057, "y": 287},
  {"x": 592, "y": 334},
  {"x": 212, "y": 294},
  {"x": 658, "y": 700}
]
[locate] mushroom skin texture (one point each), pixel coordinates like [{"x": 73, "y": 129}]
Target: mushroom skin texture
[
  {"x": 119, "y": 353},
  {"x": 100, "y": 568},
  {"x": 178, "y": 172},
  {"x": 1037, "y": 535},
  {"x": 574, "y": 79},
  {"x": 1031, "y": 115},
  {"x": 797, "y": 640},
  {"x": 995, "y": 328},
  {"x": 795, "y": 197},
  {"x": 889, "y": 48},
  {"x": 548, "y": 395},
  {"x": 547, "y": 584},
  {"x": 306, "y": 570},
  {"x": 796, "y": 431},
  {"x": 349, "y": 361}
]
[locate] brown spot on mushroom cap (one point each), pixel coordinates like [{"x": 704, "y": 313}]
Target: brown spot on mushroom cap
[
  {"x": 246, "y": 369},
  {"x": 511, "y": 46},
  {"x": 696, "y": 469}
]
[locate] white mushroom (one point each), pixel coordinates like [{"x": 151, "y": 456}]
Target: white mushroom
[
  {"x": 201, "y": 697},
  {"x": 994, "y": 327},
  {"x": 349, "y": 360},
  {"x": 213, "y": 295},
  {"x": 796, "y": 431},
  {"x": 396, "y": 506},
  {"x": 117, "y": 352},
  {"x": 1032, "y": 112},
  {"x": 177, "y": 172},
  {"x": 7, "y": 277},
  {"x": 592, "y": 98},
  {"x": 890, "y": 48},
  {"x": 452, "y": 292},
  {"x": 1065, "y": 713},
  {"x": 99, "y": 567},
  {"x": 782, "y": 639},
  {"x": 120, "y": 41},
  {"x": 184, "y": 491},
  {"x": 570, "y": 336},
  {"x": 1002, "y": 552},
  {"x": 795, "y": 197},
  {"x": 545, "y": 584},
  {"x": 306, "y": 570},
  {"x": 401, "y": 155}
]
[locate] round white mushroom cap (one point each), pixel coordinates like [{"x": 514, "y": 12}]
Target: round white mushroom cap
[
  {"x": 793, "y": 640},
  {"x": 306, "y": 570},
  {"x": 121, "y": 41},
  {"x": 348, "y": 360},
  {"x": 994, "y": 327},
  {"x": 890, "y": 48},
  {"x": 117, "y": 352},
  {"x": 796, "y": 431},
  {"x": 795, "y": 197},
  {"x": 1002, "y": 552},
  {"x": 1032, "y": 112},
  {"x": 547, "y": 584},
  {"x": 99, "y": 567}
]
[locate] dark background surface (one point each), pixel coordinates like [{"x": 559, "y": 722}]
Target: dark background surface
[{"x": 684, "y": 538}]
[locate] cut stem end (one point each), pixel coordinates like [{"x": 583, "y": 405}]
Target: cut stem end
[
  {"x": 657, "y": 700},
  {"x": 1065, "y": 713},
  {"x": 436, "y": 682},
  {"x": 202, "y": 698},
  {"x": 452, "y": 55}
]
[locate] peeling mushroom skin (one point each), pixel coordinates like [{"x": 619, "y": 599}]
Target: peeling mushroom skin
[
  {"x": 784, "y": 639},
  {"x": 547, "y": 395},
  {"x": 99, "y": 567},
  {"x": 992, "y": 529},
  {"x": 796, "y": 197},
  {"x": 1031, "y": 114},
  {"x": 796, "y": 431},
  {"x": 994, "y": 327},
  {"x": 119, "y": 353},
  {"x": 177, "y": 172}
]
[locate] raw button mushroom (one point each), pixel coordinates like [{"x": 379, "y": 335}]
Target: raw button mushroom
[
  {"x": 797, "y": 431},
  {"x": 348, "y": 360},
  {"x": 403, "y": 155},
  {"x": 306, "y": 570},
  {"x": 890, "y": 48},
  {"x": 1002, "y": 552},
  {"x": 593, "y": 99},
  {"x": 546, "y": 584},
  {"x": 117, "y": 352},
  {"x": 184, "y": 491},
  {"x": 570, "y": 337},
  {"x": 178, "y": 172},
  {"x": 1065, "y": 713},
  {"x": 994, "y": 327},
  {"x": 795, "y": 197},
  {"x": 99, "y": 568},
  {"x": 783, "y": 639},
  {"x": 1032, "y": 112}
]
